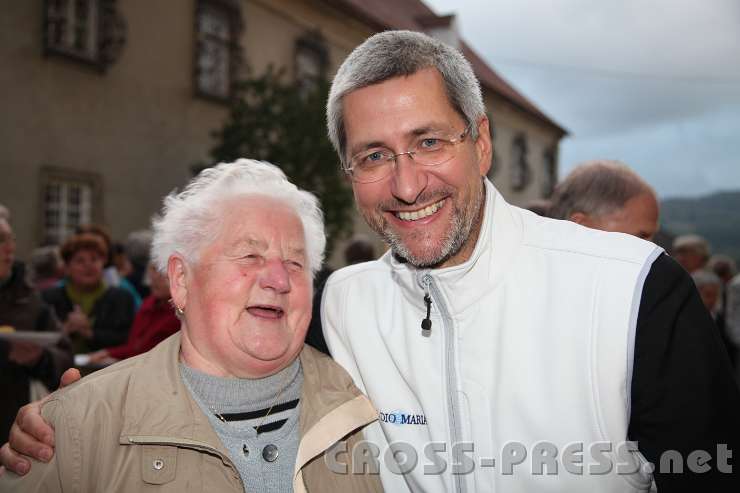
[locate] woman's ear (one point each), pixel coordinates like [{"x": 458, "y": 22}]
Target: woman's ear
[{"x": 177, "y": 274}]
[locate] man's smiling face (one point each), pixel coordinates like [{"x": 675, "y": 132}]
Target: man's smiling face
[{"x": 429, "y": 215}]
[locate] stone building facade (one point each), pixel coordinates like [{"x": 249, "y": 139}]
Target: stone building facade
[{"x": 110, "y": 104}]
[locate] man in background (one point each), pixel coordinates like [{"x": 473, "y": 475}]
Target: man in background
[
  {"x": 691, "y": 251},
  {"x": 609, "y": 196},
  {"x": 27, "y": 368}
]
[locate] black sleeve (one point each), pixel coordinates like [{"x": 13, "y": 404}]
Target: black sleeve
[
  {"x": 684, "y": 395},
  {"x": 56, "y": 359}
]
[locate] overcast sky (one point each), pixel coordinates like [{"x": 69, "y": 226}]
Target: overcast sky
[{"x": 653, "y": 83}]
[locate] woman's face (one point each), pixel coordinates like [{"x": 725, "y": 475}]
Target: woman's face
[
  {"x": 247, "y": 300},
  {"x": 85, "y": 269}
]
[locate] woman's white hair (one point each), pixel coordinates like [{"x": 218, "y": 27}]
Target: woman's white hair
[
  {"x": 190, "y": 219},
  {"x": 401, "y": 53}
]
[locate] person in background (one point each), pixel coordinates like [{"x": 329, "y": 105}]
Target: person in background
[
  {"x": 732, "y": 319},
  {"x": 94, "y": 315},
  {"x": 609, "y": 196},
  {"x": 24, "y": 364},
  {"x": 724, "y": 266},
  {"x": 691, "y": 251},
  {"x": 154, "y": 322},
  {"x": 47, "y": 268},
  {"x": 541, "y": 207},
  {"x": 360, "y": 249},
  {"x": 137, "y": 247},
  {"x": 710, "y": 289},
  {"x": 111, "y": 276},
  {"x": 120, "y": 260}
]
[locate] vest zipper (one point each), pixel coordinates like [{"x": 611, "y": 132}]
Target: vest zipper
[
  {"x": 433, "y": 294},
  {"x": 426, "y": 323}
]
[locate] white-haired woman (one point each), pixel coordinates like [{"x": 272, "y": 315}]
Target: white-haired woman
[{"x": 235, "y": 402}]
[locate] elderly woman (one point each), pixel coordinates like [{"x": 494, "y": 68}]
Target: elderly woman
[
  {"x": 235, "y": 402},
  {"x": 93, "y": 315}
]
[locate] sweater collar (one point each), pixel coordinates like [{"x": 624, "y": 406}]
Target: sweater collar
[{"x": 463, "y": 285}]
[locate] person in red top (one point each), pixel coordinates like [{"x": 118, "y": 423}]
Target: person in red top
[{"x": 154, "y": 322}]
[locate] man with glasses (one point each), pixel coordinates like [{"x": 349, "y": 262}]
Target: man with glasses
[
  {"x": 498, "y": 347},
  {"x": 489, "y": 339}
]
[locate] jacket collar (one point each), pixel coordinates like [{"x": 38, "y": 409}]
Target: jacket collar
[
  {"x": 331, "y": 408},
  {"x": 500, "y": 238},
  {"x": 162, "y": 411}
]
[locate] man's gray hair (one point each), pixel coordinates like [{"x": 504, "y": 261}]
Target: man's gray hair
[
  {"x": 401, "y": 53},
  {"x": 4, "y": 213},
  {"x": 722, "y": 265},
  {"x": 138, "y": 246},
  {"x": 596, "y": 188},
  {"x": 691, "y": 243},
  {"x": 190, "y": 219},
  {"x": 45, "y": 262}
]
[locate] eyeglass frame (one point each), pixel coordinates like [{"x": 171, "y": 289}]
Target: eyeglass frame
[{"x": 394, "y": 157}]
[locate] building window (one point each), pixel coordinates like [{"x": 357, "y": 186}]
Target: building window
[
  {"x": 311, "y": 61},
  {"x": 216, "y": 52},
  {"x": 551, "y": 172},
  {"x": 69, "y": 199},
  {"x": 89, "y": 31},
  {"x": 520, "y": 172}
]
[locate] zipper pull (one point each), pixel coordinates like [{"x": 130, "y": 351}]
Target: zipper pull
[{"x": 426, "y": 324}]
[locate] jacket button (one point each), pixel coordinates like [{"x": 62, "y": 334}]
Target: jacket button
[
  {"x": 245, "y": 450},
  {"x": 158, "y": 464},
  {"x": 270, "y": 453}
]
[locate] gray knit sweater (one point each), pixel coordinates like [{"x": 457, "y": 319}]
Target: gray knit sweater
[{"x": 265, "y": 460}]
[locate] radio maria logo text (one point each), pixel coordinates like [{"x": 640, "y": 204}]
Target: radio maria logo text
[{"x": 402, "y": 418}]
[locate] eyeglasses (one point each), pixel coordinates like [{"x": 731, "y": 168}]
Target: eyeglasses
[{"x": 374, "y": 164}]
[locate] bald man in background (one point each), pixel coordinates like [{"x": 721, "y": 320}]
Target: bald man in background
[{"x": 609, "y": 196}]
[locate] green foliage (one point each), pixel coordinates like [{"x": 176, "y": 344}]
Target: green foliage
[{"x": 284, "y": 124}]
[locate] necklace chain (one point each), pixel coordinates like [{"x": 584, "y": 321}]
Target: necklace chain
[{"x": 275, "y": 400}]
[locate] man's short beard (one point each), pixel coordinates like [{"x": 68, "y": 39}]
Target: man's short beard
[{"x": 455, "y": 238}]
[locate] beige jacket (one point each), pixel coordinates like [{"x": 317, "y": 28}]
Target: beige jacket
[{"x": 134, "y": 426}]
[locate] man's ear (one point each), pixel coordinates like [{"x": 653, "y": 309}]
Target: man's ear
[
  {"x": 177, "y": 274},
  {"x": 484, "y": 146},
  {"x": 581, "y": 218}
]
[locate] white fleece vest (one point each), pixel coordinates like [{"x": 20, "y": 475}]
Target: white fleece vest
[{"x": 530, "y": 351}]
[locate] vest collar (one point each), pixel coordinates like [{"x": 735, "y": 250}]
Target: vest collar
[{"x": 500, "y": 238}]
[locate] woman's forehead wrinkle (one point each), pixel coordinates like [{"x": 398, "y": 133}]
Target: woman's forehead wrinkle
[{"x": 249, "y": 242}]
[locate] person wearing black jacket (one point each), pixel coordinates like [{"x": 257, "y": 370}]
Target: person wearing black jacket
[{"x": 21, "y": 309}]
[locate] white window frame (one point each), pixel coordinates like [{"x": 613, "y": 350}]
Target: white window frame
[
  {"x": 61, "y": 204},
  {"x": 216, "y": 49},
  {"x": 63, "y": 24}
]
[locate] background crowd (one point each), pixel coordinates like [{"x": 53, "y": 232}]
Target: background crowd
[{"x": 101, "y": 301}]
